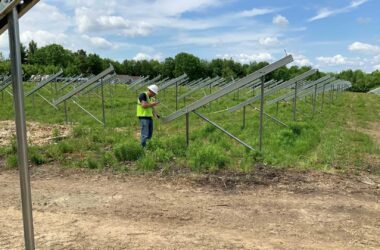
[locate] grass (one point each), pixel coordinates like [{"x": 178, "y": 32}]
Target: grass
[{"x": 329, "y": 140}]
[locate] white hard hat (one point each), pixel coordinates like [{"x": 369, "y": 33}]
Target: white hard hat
[{"x": 153, "y": 88}]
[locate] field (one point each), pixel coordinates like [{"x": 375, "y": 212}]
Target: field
[
  {"x": 315, "y": 185},
  {"x": 341, "y": 137}
]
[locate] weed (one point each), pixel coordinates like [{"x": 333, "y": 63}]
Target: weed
[
  {"x": 146, "y": 163},
  {"x": 65, "y": 147},
  {"x": 92, "y": 163},
  {"x": 130, "y": 151},
  {"x": 207, "y": 157},
  {"x": 11, "y": 162}
]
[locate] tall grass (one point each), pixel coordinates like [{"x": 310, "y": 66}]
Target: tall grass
[{"x": 331, "y": 139}]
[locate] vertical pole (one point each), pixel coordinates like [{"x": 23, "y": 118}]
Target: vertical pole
[
  {"x": 66, "y": 117},
  {"x": 176, "y": 96},
  {"x": 276, "y": 108},
  {"x": 315, "y": 99},
  {"x": 323, "y": 96},
  {"x": 22, "y": 147},
  {"x": 187, "y": 130},
  {"x": 261, "y": 114},
  {"x": 244, "y": 117},
  {"x": 295, "y": 101},
  {"x": 103, "y": 109}
]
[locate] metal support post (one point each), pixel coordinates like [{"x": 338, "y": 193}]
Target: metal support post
[
  {"x": 176, "y": 96},
  {"x": 243, "y": 117},
  {"x": 223, "y": 130},
  {"x": 66, "y": 117},
  {"x": 315, "y": 99},
  {"x": 187, "y": 130},
  {"x": 261, "y": 114},
  {"x": 22, "y": 147},
  {"x": 323, "y": 96},
  {"x": 103, "y": 109}
]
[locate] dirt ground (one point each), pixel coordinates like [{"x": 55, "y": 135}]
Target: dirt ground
[
  {"x": 37, "y": 133},
  {"x": 271, "y": 209}
]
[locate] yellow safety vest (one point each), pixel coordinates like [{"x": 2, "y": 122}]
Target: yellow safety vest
[{"x": 144, "y": 112}]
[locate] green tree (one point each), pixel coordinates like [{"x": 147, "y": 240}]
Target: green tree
[{"x": 189, "y": 64}]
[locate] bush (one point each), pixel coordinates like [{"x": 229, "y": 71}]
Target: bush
[
  {"x": 146, "y": 163},
  {"x": 130, "y": 151},
  {"x": 11, "y": 161},
  {"x": 177, "y": 145},
  {"x": 162, "y": 155},
  {"x": 92, "y": 163},
  {"x": 64, "y": 148},
  {"x": 36, "y": 158},
  {"x": 207, "y": 157},
  {"x": 108, "y": 159}
]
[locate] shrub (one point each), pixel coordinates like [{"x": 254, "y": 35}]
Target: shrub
[
  {"x": 146, "y": 163},
  {"x": 92, "y": 163},
  {"x": 207, "y": 157},
  {"x": 11, "y": 161},
  {"x": 177, "y": 145},
  {"x": 130, "y": 151},
  {"x": 162, "y": 155},
  {"x": 108, "y": 159},
  {"x": 36, "y": 158},
  {"x": 64, "y": 148}
]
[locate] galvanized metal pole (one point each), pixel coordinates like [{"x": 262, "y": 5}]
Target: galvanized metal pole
[
  {"x": 315, "y": 99},
  {"x": 103, "y": 109},
  {"x": 187, "y": 130},
  {"x": 176, "y": 96},
  {"x": 295, "y": 101},
  {"x": 66, "y": 118},
  {"x": 22, "y": 144},
  {"x": 261, "y": 114},
  {"x": 244, "y": 117},
  {"x": 323, "y": 96}
]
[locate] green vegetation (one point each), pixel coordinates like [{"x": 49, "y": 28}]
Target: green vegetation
[
  {"x": 334, "y": 139},
  {"x": 50, "y": 58}
]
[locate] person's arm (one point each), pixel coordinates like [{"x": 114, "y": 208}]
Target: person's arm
[{"x": 144, "y": 102}]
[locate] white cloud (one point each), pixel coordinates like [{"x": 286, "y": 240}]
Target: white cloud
[
  {"x": 301, "y": 60},
  {"x": 364, "y": 47},
  {"x": 334, "y": 60},
  {"x": 143, "y": 56},
  {"x": 247, "y": 58},
  {"x": 43, "y": 37},
  {"x": 255, "y": 12},
  {"x": 280, "y": 20},
  {"x": 99, "y": 42},
  {"x": 88, "y": 20},
  {"x": 268, "y": 41},
  {"x": 376, "y": 67},
  {"x": 325, "y": 12}
]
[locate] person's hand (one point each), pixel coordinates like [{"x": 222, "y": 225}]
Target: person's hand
[{"x": 155, "y": 103}]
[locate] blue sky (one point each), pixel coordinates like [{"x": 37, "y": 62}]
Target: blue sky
[{"x": 328, "y": 35}]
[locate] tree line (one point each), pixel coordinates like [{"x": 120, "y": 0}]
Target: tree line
[{"x": 50, "y": 58}]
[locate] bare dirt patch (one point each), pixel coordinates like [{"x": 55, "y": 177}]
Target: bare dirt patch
[
  {"x": 37, "y": 133},
  {"x": 271, "y": 209}
]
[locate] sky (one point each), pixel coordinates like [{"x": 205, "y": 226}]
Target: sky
[{"x": 329, "y": 35}]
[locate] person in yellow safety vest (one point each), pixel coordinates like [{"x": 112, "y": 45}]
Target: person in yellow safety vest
[{"x": 145, "y": 112}]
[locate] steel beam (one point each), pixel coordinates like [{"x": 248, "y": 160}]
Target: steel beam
[
  {"x": 229, "y": 88},
  {"x": 84, "y": 85},
  {"x": 44, "y": 82}
]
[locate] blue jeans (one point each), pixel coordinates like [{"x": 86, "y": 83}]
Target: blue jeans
[{"x": 146, "y": 130}]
